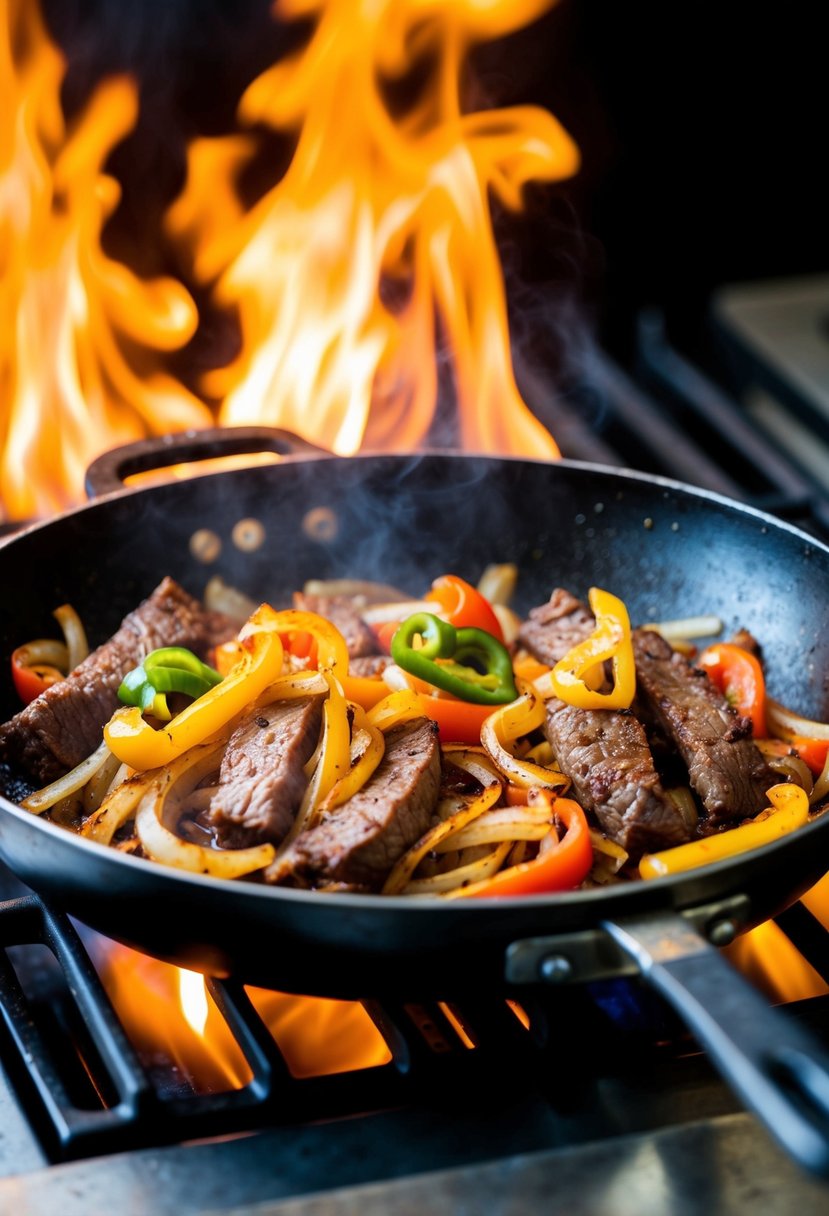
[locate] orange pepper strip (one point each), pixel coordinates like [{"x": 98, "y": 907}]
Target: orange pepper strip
[
  {"x": 463, "y": 605},
  {"x": 559, "y": 868},
  {"x": 738, "y": 675},
  {"x": 812, "y": 752},
  {"x": 366, "y": 691},
  {"x": 458, "y": 721}
]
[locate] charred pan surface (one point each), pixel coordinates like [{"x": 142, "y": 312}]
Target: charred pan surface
[
  {"x": 343, "y": 613},
  {"x": 605, "y": 753},
  {"x": 725, "y": 769},
  {"x": 63, "y": 725},
  {"x": 361, "y": 840},
  {"x": 262, "y": 779}
]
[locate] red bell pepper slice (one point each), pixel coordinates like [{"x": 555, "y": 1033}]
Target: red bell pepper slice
[
  {"x": 811, "y": 751},
  {"x": 558, "y": 869},
  {"x": 458, "y": 721},
  {"x": 31, "y": 679},
  {"x": 463, "y": 605},
  {"x": 738, "y": 675}
]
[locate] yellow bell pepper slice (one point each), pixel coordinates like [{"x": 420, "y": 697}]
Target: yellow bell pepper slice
[
  {"x": 332, "y": 651},
  {"x": 576, "y": 677},
  {"x": 788, "y": 812},
  {"x": 500, "y": 733},
  {"x": 139, "y": 745}
]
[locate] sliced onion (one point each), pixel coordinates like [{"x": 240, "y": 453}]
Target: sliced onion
[
  {"x": 47, "y": 652},
  {"x": 500, "y": 732},
  {"x": 166, "y": 797},
  {"x": 398, "y": 610},
  {"x": 99, "y": 784},
  {"x": 405, "y": 867},
  {"x": 473, "y": 871},
  {"x": 74, "y": 634},
  {"x": 509, "y": 823},
  {"x": 784, "y": 722},
  {"x": 70, "y": 783},
  {"x": 118, "y": 807},
  {"x": 687, "y": 627},
  {"x": 498, "y": 582},
  {"x": 220, "y": 597}
]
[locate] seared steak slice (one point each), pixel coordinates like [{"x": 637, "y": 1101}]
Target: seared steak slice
[
  {"x": 342, "y": 612},
  {"x": 725, "y": 768},
  {"x": 555, "y": 627},
  {"x": 605, "y": 753},
  {"x": 370, "y": 665},
  {"x": 361, "y": 840},
  {"x": 63, "y": 725},
  {"x": 261, "y": 779}
]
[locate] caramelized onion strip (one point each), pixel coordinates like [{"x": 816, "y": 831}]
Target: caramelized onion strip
[
  {"x": 508, "y": 823},
  {"x": 473, "y": 871},
  {"x": 165, "y": 799},
  {"x": 68, "y": 784},
  {"x": 405, "y": 867},
  {"x": 500, "y": 733}
]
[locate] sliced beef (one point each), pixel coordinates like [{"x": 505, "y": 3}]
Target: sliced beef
[
  {"x": 370, "y": 665},
  {"x": 342, "y": 612},
  {"x": 361, "y": 840},
  {"x": 261, "y": 779},
  {"x": 725, "y": 769},
  {"x": 63, "y": 725},
  {"x": 555, "y": 627},
  {"x": 605, "y": 753}
]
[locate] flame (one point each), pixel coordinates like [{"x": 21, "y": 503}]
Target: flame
[
  {"x": 381, "y": 222},
  {"x": 370, "y": 263},
  {"x": 768, "y": 958},
  {"x": 71, "y": 317},
  {"x": 169, "y": 1016}
]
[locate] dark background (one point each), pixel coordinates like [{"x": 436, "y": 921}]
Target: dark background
[{"x": 702, "y": 128}]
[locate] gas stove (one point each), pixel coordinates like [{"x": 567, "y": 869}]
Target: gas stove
[{"x": 595, "y": 1095}]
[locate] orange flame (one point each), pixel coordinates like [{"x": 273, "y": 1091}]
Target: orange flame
[
  {"x": 167, "y": 1013},
  {"x": 68, "y": 312},
  {"x": 373, "y": 252},
  {"x": 376, "y": 205}
]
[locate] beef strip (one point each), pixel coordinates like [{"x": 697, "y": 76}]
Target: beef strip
[
  {"x": 361, "y": 840},
  {"x": 261, "y": 779},
  {"x": 342, "y": 612},
  {"x": 555, "y": 627},
  {"x": 605, "y": 753},
  {"x": 725, "y": 768},
  {"x": 63, "y": 725}
]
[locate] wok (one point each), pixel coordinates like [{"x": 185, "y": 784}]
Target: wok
[{"x": 667, "y": 549}]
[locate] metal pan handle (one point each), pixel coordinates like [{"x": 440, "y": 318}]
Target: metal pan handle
[
  {"x": 110, "y": 470},
  {"x": 777, "y": 1070}
]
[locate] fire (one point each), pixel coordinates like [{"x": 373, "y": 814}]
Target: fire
[
  {"x": 169, "y": 1016},
  {"x": 69, "y": 314},
  {"x": 369, "y": 265},
  {"x": 380, "y": 224}
]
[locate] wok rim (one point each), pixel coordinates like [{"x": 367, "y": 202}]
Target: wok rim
[
  {"x": 611, "y": 899},
  {"x": 609, "y": 894}
]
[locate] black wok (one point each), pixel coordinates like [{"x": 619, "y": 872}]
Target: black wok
[{"x": 668, "y": 550}]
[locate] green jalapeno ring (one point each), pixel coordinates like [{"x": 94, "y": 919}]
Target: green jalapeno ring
[{"x": 484, "y": 678}]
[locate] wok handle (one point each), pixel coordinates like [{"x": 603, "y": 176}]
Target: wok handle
[
  {"x": 110, "y": 470},
  {"x": 777, "y": 1070}
]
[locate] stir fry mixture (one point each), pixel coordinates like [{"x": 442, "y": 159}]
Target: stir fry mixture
[{"x": 364, "y": 741}]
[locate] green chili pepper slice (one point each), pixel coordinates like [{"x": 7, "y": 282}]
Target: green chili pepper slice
[
  {"x": 469, "y": 663},
  {"x": 168, "y": 669}
]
